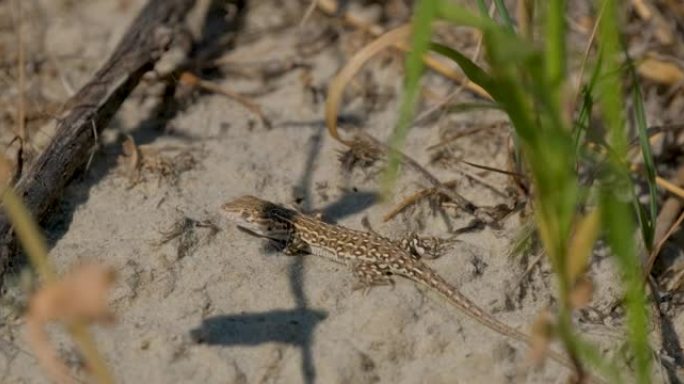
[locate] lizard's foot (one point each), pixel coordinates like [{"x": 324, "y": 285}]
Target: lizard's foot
[
  {"x": 366, "y": 287},
  {"x": 424, "y": 247},
  {"x": 365, "y": 223},
  {"x": 370, "y": 275},
  {"x": 295, "y": 247}
]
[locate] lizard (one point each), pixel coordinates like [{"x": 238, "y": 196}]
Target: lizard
[{"x": 374, "y": 259}]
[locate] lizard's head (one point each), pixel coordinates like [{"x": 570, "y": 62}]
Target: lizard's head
[{"x": 259, "y": 217}]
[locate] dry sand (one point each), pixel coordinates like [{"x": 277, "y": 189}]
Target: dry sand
[{"x": 224, "y": 307}]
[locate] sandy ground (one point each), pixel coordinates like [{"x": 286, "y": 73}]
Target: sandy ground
[{"x": 223, "y": 307}]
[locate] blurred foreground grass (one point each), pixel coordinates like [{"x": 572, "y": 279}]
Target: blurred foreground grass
[{"x": 528, "y": 79}]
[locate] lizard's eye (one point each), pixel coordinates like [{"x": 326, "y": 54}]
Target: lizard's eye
[{"x": 244, "y": 214}]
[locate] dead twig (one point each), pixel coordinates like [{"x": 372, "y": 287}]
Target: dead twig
[
  {"x": 414, "y": 198},
  {"x": 463, "y": 203},
  {"x": 189, "y": 79},
  {"x": 458, "y": 136},
  {"x": 666, "y": 224},
  {"x": 77, "y": 299},
  {"x": 21, "y": 132},
  {"x": 142, "y": 46},
  {"x": 330, "y": 8}
]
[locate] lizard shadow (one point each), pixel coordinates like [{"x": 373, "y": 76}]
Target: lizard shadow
[
  {"x": 348, "y": 204},
  {"x": 294, "y": 327},
  {"x": 673, "y": 348}
]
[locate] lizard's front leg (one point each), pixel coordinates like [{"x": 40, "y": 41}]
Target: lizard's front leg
[{"x": 295, "y": 246}]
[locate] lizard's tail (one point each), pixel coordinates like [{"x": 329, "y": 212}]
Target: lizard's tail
[{"x": 425, "y": 276}]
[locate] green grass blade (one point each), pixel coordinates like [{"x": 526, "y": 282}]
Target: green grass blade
[
  {"x": 528, "y": 84},
  {"x": 617, "y": 191},
  {"x": 593, "y": 357},
  {"x": 619, "y": 223},
  {"x": 587, "y": 105},
  {"x": 475, "y": 74},
  {"x": 582, "y": 121},
  {"x": 484, "y": 12},
  {"x": 463, "y": 16},
  {"x": 505, "y": 17},
  {"x": 469, "y": 107},
  {"x": 425, "y": 13},
  {"x": 555, "y": 53},
  {"x": 647, "y": 221}
]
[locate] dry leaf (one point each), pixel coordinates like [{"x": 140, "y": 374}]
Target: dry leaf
[
  {"x": 353, "y": 66},
  {"x": 676, "y": 283},
  {"x": 546, "y": 234},
  {"x": 581, "y": 293},
  {"x": 542, "y": 334},
  {"x": 131, "y": 158},
  {"x": 188, "y": 79},
  {"x": 80, "y": 296},
  {"x": 660, "y": 71},
  {"x": 6, "y": 171},
  {"x": 642, "y": 9},
  {"x": 581, "y": 245}
]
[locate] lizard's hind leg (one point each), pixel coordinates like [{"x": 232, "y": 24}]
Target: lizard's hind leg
[{"x": 370, "y": 275}]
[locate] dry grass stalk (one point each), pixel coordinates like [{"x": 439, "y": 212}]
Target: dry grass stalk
[{"x": 77, "y": 299}]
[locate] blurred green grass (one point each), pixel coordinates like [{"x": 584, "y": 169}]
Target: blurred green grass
[{"x": 528, "y": 79}]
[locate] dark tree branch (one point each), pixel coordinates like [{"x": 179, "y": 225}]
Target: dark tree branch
[{"x": 91, "y": 109}]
